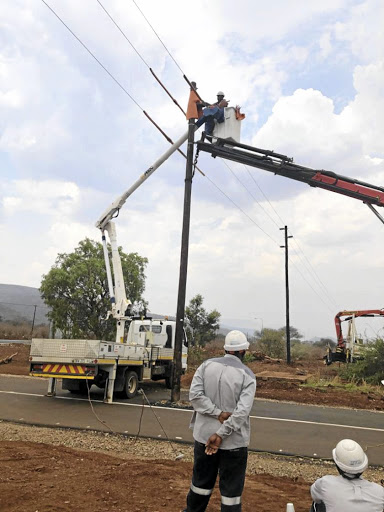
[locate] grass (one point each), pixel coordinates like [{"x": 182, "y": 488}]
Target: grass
[{"x": 316, "y": 381}]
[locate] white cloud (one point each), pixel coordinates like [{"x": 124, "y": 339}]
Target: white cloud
[{"x": 71, "y": 141}]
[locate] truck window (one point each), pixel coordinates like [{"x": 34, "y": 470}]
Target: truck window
[
  {"x": 168, "y": 330},
  {"x": 156, "y": 329}
]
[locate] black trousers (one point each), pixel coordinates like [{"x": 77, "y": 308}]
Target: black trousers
[{"x": 230, "y": 465}]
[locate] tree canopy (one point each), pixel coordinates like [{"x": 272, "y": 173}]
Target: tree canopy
[
  {"x": 203, "y": 324},
  {"x": 76, "y": 290}
]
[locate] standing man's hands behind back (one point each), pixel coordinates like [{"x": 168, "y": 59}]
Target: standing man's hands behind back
[{"x": 213, "y": 444}]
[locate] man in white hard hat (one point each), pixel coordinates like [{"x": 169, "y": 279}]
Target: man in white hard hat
[
  {"x": 348, "y": 492},
  {"x": 222, "y": 394},
  {"x": 213, "y": 112}
]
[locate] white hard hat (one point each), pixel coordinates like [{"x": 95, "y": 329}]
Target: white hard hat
[
  {"x": 235, "y": 341},
  {"x": 350, "y": 457},
  {"x": 220, "y": 93}
]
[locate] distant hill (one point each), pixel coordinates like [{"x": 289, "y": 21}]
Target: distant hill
[{"x": 17, "y": 304}]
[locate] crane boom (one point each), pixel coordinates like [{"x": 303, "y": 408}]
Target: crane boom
[
  {"x": 120, "y": 305},
  {"x": 284, "y": 166}
]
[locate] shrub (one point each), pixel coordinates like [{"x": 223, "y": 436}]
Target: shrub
[{"x": 370, "y": 369}]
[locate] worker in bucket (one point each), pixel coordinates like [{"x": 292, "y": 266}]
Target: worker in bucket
[
  {"x": 348, "y": 492},
  {"x": 222, "y": 394},
  {"x": 213, "y": 112}
]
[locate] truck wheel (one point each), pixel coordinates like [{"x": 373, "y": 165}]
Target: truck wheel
[{"x": 131, "y": 384}]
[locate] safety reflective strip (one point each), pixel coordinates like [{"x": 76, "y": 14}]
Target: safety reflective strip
[
  {"x": 71, "y": 369},
  {"x": 231, "y": 501},
  {"x": 199, "y": 490},
  {"x": 54, "y": 369}
]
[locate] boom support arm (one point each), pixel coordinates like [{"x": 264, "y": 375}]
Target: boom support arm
[
  {"x": 284, "y": 166},
  {"x": 116, "y": 286},
  {"x": 349, "y": 315}
]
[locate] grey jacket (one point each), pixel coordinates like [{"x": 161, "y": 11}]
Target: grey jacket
[
  {"x": 342, "y": 495},
  {"x": 222, "y": 384}
]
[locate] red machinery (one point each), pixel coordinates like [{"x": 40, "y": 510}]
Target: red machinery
[{"x": 348, "y": 348}]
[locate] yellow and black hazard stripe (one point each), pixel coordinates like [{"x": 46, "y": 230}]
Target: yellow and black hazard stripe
[{"x": 74, "y": 371}]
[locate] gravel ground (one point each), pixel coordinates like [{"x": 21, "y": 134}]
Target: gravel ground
[{"x": 146, "y": 449}]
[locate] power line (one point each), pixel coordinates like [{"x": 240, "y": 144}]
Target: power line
[
  {"x": 123, "y": 33},
  {"x": 139, "y": 54},
  {"x": 262, "y": 192},
  {"x": 310, "y": 268},
  {"x": 138, "y": 105},
  {"x": 93, "y": 56},
  {"x": 158, "y": 37}
]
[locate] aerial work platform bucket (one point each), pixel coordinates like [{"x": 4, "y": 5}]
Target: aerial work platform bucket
[{"x": 231, "y": 127}]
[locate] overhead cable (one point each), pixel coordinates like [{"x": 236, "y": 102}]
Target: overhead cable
[
  {"x": 158, "y": 37},
  {"x": 141, "y": 57},
  {"x": 280, "y": 219},
  {"x": 152, "y": 121}
]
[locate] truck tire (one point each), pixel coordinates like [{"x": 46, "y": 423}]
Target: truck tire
[{"x": 131, "y": 384}]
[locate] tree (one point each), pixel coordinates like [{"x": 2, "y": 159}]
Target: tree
[
  {"x": 294, "y": 333},
  {"x": 271, "y": 342},
  {"x": 324, "y": 342},
  {"x": 76, "y": 290},
  {"x": 203, "y": 324}
]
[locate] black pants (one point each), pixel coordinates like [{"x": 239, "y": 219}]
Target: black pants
[{"x": 230, "y": 465}]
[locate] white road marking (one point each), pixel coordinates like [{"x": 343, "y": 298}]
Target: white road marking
[{"x": 264, "y": 418}]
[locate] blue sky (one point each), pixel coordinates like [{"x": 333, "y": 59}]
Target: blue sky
[{"x": 309, "y": 77}]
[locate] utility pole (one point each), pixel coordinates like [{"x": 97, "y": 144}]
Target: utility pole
[
  {"x": 288, "y": 334},
  {"x": 33, "y": 321},
  {"x": 177, "y": 366}
]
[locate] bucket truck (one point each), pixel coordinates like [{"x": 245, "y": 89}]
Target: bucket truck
[{"x": 144, "y": 352}]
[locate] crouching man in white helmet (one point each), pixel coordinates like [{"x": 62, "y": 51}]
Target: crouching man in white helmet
[
  {"x": 347, "y": 492},
  {"x": 222, "y": 394}
]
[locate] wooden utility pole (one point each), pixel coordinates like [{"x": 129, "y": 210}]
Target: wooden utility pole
[
  {"x": 177, "y": 366},
  {"x": 288, "y": 334},
  {"x": 33, "y": 320}
]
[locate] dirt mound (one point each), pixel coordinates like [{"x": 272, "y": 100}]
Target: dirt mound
[{"x": 44, "y": 478}]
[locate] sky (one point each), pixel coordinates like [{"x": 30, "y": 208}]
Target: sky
[{"x": 308, "y": 75}]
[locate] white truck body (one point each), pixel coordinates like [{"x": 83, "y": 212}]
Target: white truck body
[{"x": 146, "y": 353}]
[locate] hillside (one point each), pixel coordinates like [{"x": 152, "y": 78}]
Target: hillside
[{"x": 17, "y": 303}]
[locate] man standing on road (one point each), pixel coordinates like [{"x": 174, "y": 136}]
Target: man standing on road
[
  {"x": 222, "y": 394},
  {"x": 347, "y": 492}
]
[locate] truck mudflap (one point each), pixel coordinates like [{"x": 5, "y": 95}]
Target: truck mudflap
[{"x": 67, "y": 371}]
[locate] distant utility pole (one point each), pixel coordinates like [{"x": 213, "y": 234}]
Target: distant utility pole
[
  {"x": 288, "y": 334},
  {"x": 177, "y": 365},
  {"x": 33, "y": 321}
]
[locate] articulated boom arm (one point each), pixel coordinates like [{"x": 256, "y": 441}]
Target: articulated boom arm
[
  {"x": 284, "y": 166},
  {"x": 349, "y": 315},
  {"x": 116, "y": 287}
]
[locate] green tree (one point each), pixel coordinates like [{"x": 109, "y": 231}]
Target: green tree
[
  {"x": 271, "y": 342},
  {"x": 76, "y": 290},
  {"x": 324, "y": 342},
  {"x": 294, "y": 333},
  {"x": 203, "y": 324}
]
